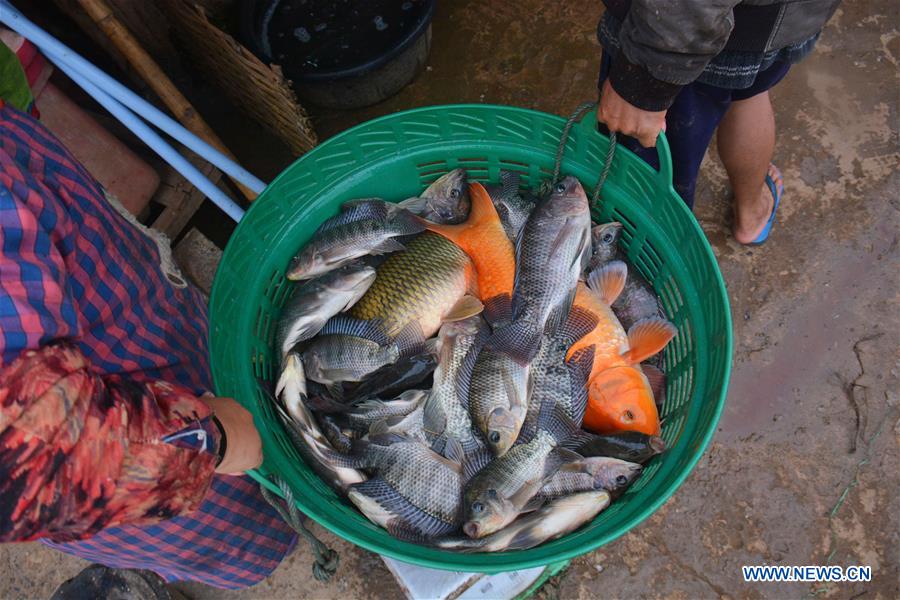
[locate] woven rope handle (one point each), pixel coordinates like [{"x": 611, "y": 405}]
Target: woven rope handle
[
  {"x": 576, "y": 116},
  {"x": 327, "y": 560}
]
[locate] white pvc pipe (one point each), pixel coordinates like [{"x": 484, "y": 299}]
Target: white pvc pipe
[
  {"x": 157, "y": 144},
  {"x": 71, "y": 62}
]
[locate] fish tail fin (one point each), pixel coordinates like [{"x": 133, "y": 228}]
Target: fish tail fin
[
  {"x": 520, "y": 340},
  {"x": 405, "y": 222},
  {"x": 608, "y": 281},
  {"x": 482, "y": 210},
  {"x": 646, "y": 338}
]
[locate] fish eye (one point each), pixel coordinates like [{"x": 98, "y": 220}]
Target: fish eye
[
  {"x": 560, "y": 188},
  {"x": 477, "y": 507},
  {"x": 494, "y": 437},
  {"x": 607, "y": 237},
  {"x": 455, "y": 193},
  {"x": 621, "y": 480}
]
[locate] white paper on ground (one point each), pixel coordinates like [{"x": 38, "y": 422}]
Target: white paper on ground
[{"x": 420, "y": 583}]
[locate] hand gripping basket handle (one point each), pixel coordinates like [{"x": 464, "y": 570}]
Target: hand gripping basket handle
[{"x": 588, "y": 126}]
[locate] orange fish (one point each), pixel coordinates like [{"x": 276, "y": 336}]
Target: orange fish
[
  {"x": 483, "y": 238},
  {"x": 620, "y": 399},
  {"x": 619, "y": 396}
]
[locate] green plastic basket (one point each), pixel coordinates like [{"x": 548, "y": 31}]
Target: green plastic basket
[{"x": 395, "y": 157}]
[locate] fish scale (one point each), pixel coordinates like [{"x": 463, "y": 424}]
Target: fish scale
[
  {"x": 420, "y": 476},
  {"x": 420, "y": 284}
]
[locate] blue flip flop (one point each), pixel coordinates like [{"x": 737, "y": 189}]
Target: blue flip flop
[{"x": 777, "y": 192}]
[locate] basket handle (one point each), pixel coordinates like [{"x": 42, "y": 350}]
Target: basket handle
[{"x": 664, "y": 176}]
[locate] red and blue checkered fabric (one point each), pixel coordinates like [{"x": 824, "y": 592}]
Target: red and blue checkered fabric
[{"x": 74, "y": 268}]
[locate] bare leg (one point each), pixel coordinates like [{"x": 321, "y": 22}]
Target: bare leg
[{"x": 746, "y": 141}]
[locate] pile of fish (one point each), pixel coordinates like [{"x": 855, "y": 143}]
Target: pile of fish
[{"x": 466, "y": 366}]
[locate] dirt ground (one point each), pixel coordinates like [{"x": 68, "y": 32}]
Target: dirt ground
[{"x": 804, "y": 467}]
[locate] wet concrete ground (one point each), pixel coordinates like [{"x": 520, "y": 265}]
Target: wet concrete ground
[{"x": 804, "y": 467}]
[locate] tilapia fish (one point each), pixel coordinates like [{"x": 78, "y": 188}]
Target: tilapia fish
[
  {"x": 502, "y": 489},
  {"x": 349, "y": 349},
  {"x": 512, "y": 207},
  {"x": 445, "y": 417},
  {"x": 551, "y": 253},
  {"x": 305, "y": 432},
  {"x": 426, "y": 284},
  {"x": 496, "y": 389},
  {"x": 364, "y": 227},
  {"x": 483, "y": 239},
  {"x": 366, "y": 413},
  {"x": 414, "y": 492},
  {"x": 588, "y": 474},
  {"x": 638, "y": 300},
  {"x": 444, "y": 201},
  {"x": 604, "y": 243},
  {"x": 553, "y": 520},
  {"x": 632, "y": 446},
  {"x": 316, "y": 301}
]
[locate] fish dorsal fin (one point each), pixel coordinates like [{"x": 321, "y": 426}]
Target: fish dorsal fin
[
  {"x": 371, "y": 329},
  {"x": 467, "y": 306},
  {"x": 646, "y": 338},
  {"x": 608, "y": 281}
]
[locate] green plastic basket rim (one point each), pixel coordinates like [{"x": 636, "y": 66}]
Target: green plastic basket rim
[{"x": 651, "y": 506}]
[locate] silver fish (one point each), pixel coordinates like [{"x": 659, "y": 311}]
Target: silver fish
[
  {"x": 553, "y": 520},
  {"x": 500, "y": 491},
  {"x": 512, "y": 207},
  {"x": 594, "y": 473},
  {"x": 638, "y": 299},
  {"x": 446, "y": 200},
  {"x": 414, "y": 493},
  {"x": 496, "y": 389},
  {"x": 365, "y": 413},
  {"x": 365, "y": 227},
  {"x": 306, "y": 435},
  {"x": 349, "y": 349},
  {"x": 551, "y": 253},
  {"x": 445, "y": 417},
  {"x": 632, "y": 446},
  {"x": 316, "y": 301}
]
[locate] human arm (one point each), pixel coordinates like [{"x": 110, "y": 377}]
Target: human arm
[
  {"x": 662, "y": 47},
  {"x": 81, "y": 450}
]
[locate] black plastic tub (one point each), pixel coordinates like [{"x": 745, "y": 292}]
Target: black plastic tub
[{"x": 341, "y": 53}]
